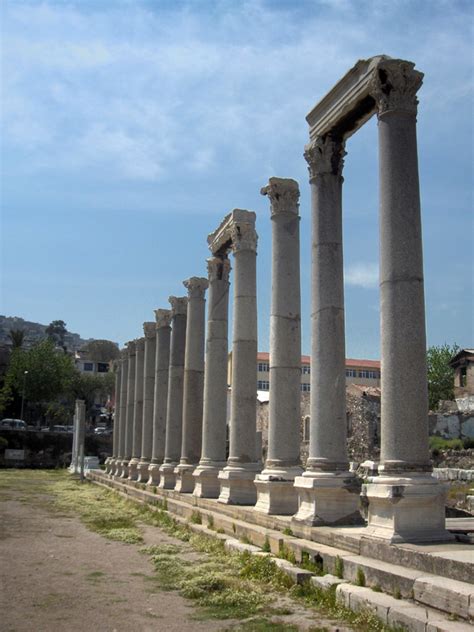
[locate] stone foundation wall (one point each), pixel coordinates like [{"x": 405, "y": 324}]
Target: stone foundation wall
[{"x": 452, "y": 425}]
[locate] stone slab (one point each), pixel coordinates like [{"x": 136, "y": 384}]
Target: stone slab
[{"x": 445, "y": 594}]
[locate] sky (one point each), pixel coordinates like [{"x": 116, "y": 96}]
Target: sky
[{"x": 131, "y": 127}]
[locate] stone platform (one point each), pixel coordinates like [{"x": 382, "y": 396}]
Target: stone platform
[{"x": 434, "y": 576}]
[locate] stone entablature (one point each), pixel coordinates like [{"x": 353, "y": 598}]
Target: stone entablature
[{"x": 236, "y": 231}]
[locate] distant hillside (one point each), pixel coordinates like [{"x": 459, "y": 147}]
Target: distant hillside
[{"x": 34, "y": 332}]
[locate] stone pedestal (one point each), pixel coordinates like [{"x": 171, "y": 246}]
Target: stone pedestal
[
  {"x": 237, "y": 478},
  {"x": 275, "y": 490},
  {"x": 174, "y": 417},
  {"x": 215, "y": 382},
  {"x": 137, "y": 411},
  {"x": 193, "y": 385},
  {"x": 162, "y": 359},
  {"x": 326, "y": 489},
  {"x": 405, "y": 503},
  {"x": 130, "y": 404},
  {"x": 149, "y": 329}
]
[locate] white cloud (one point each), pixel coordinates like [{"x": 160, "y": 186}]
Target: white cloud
[{"x": 364, "y": 275}]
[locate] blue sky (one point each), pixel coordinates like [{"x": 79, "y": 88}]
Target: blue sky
[{"x": 130, "y": 128}]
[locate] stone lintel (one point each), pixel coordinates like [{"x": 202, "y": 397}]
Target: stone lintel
[
  {"x": 162, "y": 317},
  {"x": 349, "y": 104},
  {"x": 149, "y": 329},
  {"x": 221, "y": 240}
]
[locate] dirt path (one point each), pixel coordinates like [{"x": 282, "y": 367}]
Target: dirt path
[{"x": 57, "y": 576}]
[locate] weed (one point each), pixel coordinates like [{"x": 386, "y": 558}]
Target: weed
[
  {"x": 210, "y": 521},
  {"x": 287, "y": 531},
  {"x": 234, "y": 528},
  {"x": 314, "y": 565},
  {"x": 339, "y": 567},
  {"x": 360, "y": 577},
  {"x": 266, "y": 545},
  {"x": 220, "y": 530},
  {"x": 245, "y": 540},
  {"x": 154, "y": 489},
  {"x": 196, "y": 517},
  {"x": 262, "y": 624},
  {"x": 376, "y": 588},
  {"x": 286, "y": 553},
  {"x": 397, "y": 593}
]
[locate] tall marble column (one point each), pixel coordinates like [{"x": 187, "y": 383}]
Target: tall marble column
[
  {"x": 122, "y": 404},
  {"x": 149, "y": 329},
  {"x": 193, "y": 384},
  {"x": 110, "y": 468},
  {"x": 137, "y": 410},
  {"x": 162, "y": 359},
  {"x": 174, "y": 413},
  {"x": 214, "y": 425},
  {"x": 328, "y": 493},
  {"x": 275, "y": 491},
  {"x": 406, "y": 504},
  {"x": 237, "y": 478},
  {"x": 128, "y": 438}
]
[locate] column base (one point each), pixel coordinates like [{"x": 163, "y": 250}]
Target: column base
[
  {"x": 124, "y": 469},
  {"x": 167, "y": 476},
  {"x": 142, "y": 469},
  {"x": 107, "y": 464},
  {"x": 184, "y": 478},
  {"x": 237, "y": 484},
  {"x": 276, "y": 494},
  {"x": 133, "y": 469},
  {"x": 111, "y": 466},
  {"x": 408, "y": 507},
  {"x": 328, "y": 498},
  {"x": 153, "y": 474},
  {"x": 207, "y": 484}
]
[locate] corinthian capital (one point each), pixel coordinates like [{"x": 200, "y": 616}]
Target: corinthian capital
[
  {"x": 163, "y": 318},
  {"x": 179, "y": 305},
  {"x": 394, "y": 86},
  {"x": 218, "y": 269},
  {"x": 149, "y": 329},
  {"x": 196, "y": 287},
  {"x": 140, "y": 345},
  {"x": 244, "y": 237},
  {"x": 284, "y": 195},
  {"x": 325, "y": 155},
  {"x": 131, "y": 347}
]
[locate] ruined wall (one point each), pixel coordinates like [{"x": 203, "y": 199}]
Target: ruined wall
[{"x": 452, "y": 425}]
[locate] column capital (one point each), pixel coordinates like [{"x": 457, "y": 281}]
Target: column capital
[
  {"x": 394, "y": 86},
  {"x": 225, "y": 236},
  {"x": 284, "y": 195},
  {"x": 244, "y": 237},
  {"x": 140, "y": 345},
  {"x": 163, "y": 318},
  {"x": 123, "y": 354},
  {"x": 131, "y": 347},
  {"x": 179, "y": 305},
  {"x": 218, "y": 269},
  {"x": 196, "y": 287},
  {"x": 325, "y": 155},
  {"x": 149, "y": 329}
]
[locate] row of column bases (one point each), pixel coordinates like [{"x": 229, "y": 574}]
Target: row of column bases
[{"x": 171, "y": 388}]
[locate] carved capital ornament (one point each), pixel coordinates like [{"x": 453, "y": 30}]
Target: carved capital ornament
[
  {"x": 196, "y": 287},
  {"x": 179, "y": 305},
  {"x": 284, "y": 195},
  {"x": 149, "y": 329},
  {"x": 325, "y": 155},
  {"x": 394, "y": 86},
  {"x": 163, "y": 318},
  {"x": 218, "y": 269}
]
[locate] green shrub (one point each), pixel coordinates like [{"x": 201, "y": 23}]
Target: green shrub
[
  {"x": 360, "y": 577},
  {"x": 339, "y": 567},
  {"x": 439, "y": 443},
  {"x": 196, "y": 517},
  {"x": 266, "y": 545}
]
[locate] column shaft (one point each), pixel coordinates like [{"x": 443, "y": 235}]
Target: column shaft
[
  {"x": 123, "y": 412},
  {"x": 193, "y": 384},
  {"x": 115, "y": 436},
  {"x": 174, "y": 415},
  {"x": 276, "y": 494},
  {"x": 214, "y": 431},
  {"x": 162, "y": 360},
  {"x": 130, "y": 408},
  {"x": 149, "y": 330},
  {"x": 137, "y": 410}
]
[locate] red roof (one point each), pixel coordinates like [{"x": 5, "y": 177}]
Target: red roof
[{"x": 350, "y": 362}]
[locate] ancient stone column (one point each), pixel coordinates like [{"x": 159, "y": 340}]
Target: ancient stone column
[
  {"x": 237, "y": 478},
  {"x": 214, "y": 431},
  {"x": 149, "y": 329},
  {"x": 122, "y": 404},
  {"x": 137, "y": 410},
  {"x": 110, "y": 462},
  {"x": 127, "y": 450},
  {"x": 174, "y": 413},
  {"x": 275, "y": 490},
  {"x": 162, "y": 359},
  {"x": 328, "y": 493},
  {"x": 405, "y": 502},
  {"x": 75, "y": 435},
  {"x": 193, "y": 384}
]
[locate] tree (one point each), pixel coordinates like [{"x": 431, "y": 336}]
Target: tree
[
  {"x": 88, "y": 387},
  {"x": 17, "y": 337},
  {"x": 101, "y": 350},
  {"x": 440, "y": 374},
  {"x": 56, "y": 331},
  {"x": 41, "y": 374}
]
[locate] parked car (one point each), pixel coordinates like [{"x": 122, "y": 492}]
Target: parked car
[
  {"x": 14, "y": 424},
  {"x": 59, "y": 429},
  {"x": 102, "y": 431}
]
